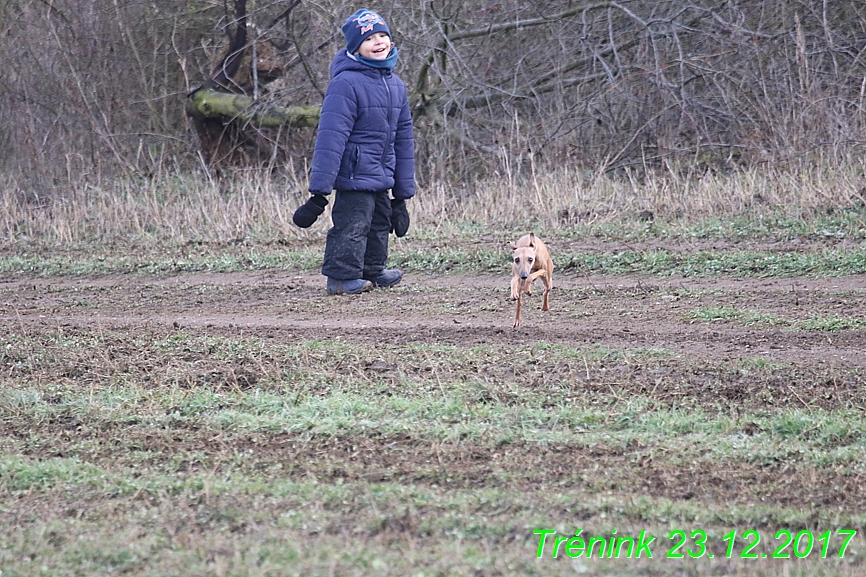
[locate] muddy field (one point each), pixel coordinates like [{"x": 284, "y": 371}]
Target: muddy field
[
  {"x": 461, "y": 310},
  {"x": 639, "y": 338}
]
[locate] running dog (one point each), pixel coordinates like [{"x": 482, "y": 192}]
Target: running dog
[{"x": 530, "y": 260}]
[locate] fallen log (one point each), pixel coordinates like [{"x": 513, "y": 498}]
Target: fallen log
[{"x": 210, "y": 103}]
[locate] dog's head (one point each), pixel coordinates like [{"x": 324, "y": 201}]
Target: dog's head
[{"x": 523, "y": 259}]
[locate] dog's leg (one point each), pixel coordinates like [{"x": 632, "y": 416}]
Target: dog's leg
[
  {"x": 531, "y": 279},
  {"x": 515, "y": 287},
  {"x": 517, "y": 315},
  {"x": 547, "y": 279},
  {"x": 536, "y": 274}
]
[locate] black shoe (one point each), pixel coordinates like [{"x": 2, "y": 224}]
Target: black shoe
[
  {"x": 348, "y": 287},
  {"x": 386, "y": 278}
]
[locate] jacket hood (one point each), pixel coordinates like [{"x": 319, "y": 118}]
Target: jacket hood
[{"x": 342, "y": 62}]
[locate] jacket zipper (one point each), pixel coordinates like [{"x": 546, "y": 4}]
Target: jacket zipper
[{"x": 390, "y": 113}]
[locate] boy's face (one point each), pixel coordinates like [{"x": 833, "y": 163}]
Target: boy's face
[{"x": 375, "y": 46}]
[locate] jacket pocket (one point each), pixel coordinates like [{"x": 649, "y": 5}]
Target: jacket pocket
[{"x": 353, "y": 162}]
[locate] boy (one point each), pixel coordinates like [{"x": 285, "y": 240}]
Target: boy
[{"x": 364, "y": 148}]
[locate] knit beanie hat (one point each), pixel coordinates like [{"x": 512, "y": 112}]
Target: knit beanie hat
[{"x": 360, "y": 25}]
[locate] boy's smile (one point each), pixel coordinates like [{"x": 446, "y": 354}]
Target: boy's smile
[{"x": 376, "y": 46}]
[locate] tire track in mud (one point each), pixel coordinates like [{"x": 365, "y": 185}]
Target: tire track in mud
[{"x": 615, "y": 312}]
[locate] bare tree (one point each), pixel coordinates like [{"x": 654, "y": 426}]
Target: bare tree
[
  {"x": 92, "y": 86},
  {"x": 95, "y": 87},
  {"x": 227, "y": 110}
]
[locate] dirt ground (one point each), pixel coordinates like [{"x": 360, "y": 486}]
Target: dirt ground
[
  {"x": 617, "y": 313},
  {"x": 701, "y": 363},
  {"x": 614, "y": 312}
]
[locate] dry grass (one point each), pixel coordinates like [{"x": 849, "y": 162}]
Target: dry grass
[{"x": 186, "y": 207}]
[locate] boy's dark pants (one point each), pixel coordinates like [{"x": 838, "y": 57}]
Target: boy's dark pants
[{"x": 357, "y": 245}]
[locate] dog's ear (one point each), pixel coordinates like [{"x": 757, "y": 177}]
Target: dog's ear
[
  {"x": 512, "y": 246},
  {"x": 532, "y": 239}
]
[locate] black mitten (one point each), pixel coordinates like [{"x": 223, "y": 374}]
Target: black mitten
[
  {"x": 399, "y": 217},
  {"x": 308, "y": 212}
]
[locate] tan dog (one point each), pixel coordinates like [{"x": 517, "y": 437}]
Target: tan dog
[{"x": 530, "y": 260}]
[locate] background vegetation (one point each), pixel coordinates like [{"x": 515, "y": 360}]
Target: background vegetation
[{"x": 97, "y": 89}]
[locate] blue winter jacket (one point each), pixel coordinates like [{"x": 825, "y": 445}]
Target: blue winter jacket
[{"x": 365, "y": 140}]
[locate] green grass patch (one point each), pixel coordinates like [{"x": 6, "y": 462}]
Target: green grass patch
[
  {"x": 745, "y": 317},
  {"x": 466, "y": 248}
]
